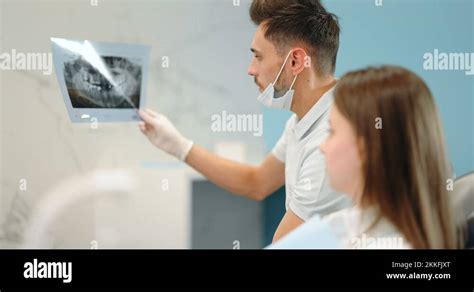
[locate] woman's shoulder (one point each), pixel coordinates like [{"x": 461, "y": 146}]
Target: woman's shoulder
[
  {"x": 365, "y": 229},
  {"x": 342, "y": 215}
]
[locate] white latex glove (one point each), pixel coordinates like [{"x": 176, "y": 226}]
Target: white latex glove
[{"x": 162, "y": 133}]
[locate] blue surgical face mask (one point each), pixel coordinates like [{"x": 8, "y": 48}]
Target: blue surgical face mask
[{"x": 270, "y": 97}]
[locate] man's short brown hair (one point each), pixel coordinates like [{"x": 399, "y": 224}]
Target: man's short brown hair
[{"x": 289, "y": 21}]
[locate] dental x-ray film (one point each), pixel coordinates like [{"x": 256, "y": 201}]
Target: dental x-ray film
[{"x": 105, "y": 81}]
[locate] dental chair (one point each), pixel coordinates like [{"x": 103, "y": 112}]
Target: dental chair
[
  {"x": 70, "y": 198},
  {"x": 103, "y": 209}
]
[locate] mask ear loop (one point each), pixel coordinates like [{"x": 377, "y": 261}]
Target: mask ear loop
[
  {"x": 281, "y": 69},
  {"x": 296, "y": 76},
  {"x": 293, "y": 83}
]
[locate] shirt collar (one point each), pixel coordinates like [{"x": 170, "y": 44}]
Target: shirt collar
[{"x": 323, "y": 104}]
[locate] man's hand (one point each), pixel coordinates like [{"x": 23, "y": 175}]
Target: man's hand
[{"x": 161, "y": 133}]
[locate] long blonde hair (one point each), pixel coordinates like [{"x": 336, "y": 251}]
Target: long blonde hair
[{"x": 405, "y": 166}]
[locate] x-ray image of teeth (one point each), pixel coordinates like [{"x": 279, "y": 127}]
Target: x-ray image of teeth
[{"x": 89, "y": 88}]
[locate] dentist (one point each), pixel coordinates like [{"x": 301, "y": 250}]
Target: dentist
[{"x": 295, "y": 48}]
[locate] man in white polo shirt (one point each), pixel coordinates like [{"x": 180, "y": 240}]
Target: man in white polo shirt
[
  {"x": 295, "y": 48},
  {"x": 307, "y": 191}
]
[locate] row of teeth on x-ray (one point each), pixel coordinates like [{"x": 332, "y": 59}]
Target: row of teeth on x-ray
[{"x": 96, "y": 84}]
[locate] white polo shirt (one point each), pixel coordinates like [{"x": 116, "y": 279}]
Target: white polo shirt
[{"x": 307, "y": 190}]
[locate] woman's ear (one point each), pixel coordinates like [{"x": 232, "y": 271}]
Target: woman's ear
[
  {"x": 360, "y": 199},
  {"x": 362, "y": 150}
]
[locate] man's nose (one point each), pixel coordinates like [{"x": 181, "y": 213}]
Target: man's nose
[{"x": 251, "y": 70}]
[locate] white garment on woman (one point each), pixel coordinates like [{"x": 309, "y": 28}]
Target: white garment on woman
[{"x": 353, "y": 228}]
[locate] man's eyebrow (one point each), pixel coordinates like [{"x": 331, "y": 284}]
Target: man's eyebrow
[{"x": 255, "y": 51}]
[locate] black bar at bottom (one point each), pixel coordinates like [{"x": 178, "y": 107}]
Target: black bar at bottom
[{"x": 237, "y": 268}]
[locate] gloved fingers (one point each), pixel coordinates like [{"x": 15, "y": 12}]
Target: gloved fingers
[
  {"x": 148, "y": 118},
  {"x": 142, "y": 127},
  {"x": 151, "y": 112},
  {"x": 147, "y": 129}
]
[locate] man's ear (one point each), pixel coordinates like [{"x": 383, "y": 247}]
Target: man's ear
[{"x": 299, "y": 60}]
